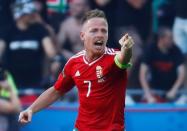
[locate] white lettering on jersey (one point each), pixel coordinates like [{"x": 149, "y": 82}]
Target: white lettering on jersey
[{"x": 17, "y": 45}]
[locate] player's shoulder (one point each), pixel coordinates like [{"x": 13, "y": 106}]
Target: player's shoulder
[
  {"x": 111, "y": 51},
  {"x": 74, "y": 59},
  {"x": 77, "y": 56}
]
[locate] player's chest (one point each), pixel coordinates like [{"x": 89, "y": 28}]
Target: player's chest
[
  {"x": 96, "y": 73},
  {"x": 91, "y": 79}
]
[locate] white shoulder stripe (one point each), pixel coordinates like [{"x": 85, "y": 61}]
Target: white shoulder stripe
[
  {"x": 77, "y": 55},
  {"x": 110, "y": 51},
  {"x": 81, "y": 53}
]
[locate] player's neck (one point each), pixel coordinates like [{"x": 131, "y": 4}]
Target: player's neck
[{"x": 92, "y": 57}]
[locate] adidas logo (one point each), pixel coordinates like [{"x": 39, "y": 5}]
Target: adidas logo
[{"x": 77, "y": 73}]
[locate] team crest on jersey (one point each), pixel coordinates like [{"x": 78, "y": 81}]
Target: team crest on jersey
[{"x": 99, "y": 74}]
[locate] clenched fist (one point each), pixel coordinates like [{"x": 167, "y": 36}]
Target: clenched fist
[
  {"x": 25, "y": 116},
  {"x": 126, "y": 41}
]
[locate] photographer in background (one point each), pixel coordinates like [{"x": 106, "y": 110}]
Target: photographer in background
[{"x": 9, "y": 102}]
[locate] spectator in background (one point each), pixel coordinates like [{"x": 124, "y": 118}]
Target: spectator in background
[
  {"x": 165, "y": 64},
  {"x": 136, "y": 14},
  {"x": 166, "y": 13},
  {"x": 68, "y": 36},
  {"x": 57, "y": 12},
  {"x": 41, "y": 6},
  {"x": 38, "y": 19},
  {"x": 6, "y": 19},
  {"x": 180, "y": 26},
  {"x": 6, "y": 16},
  {"x": 40, "y": 16},
  {"x": 9, "y": 102},
  {"x": 26, "y": 45}
]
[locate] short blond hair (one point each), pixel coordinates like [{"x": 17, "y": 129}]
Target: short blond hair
[{"x": 93, "y": 14}]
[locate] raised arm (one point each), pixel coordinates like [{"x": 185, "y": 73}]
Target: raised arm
[
  {"x": 122, "y": 59},
  {"x": 44, "y": 100}
]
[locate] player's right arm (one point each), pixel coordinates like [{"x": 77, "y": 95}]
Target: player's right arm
[
  {"x": 144, "y": 83},
  {"x": 44, "y": 100},
  {"x": 62, "y": 85}
]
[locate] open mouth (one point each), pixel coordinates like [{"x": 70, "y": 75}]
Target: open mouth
[{"x": 99, "y": 43}]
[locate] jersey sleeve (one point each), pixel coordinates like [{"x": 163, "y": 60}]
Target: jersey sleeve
[{"x": 64, "y": 82}]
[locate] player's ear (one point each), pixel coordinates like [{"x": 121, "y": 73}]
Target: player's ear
[{"x": 82, "y": 35}]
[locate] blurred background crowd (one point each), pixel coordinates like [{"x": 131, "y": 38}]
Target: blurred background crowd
[{"x": 37, "y": 37}]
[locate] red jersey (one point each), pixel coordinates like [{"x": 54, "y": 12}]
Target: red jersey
[{"x": 101, "y": 88}]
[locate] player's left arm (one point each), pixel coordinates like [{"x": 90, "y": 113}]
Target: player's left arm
[{"x": 122, "y": 59}]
